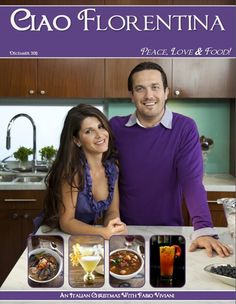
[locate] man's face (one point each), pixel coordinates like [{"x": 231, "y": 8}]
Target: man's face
[{"x": 149, "y": 95}]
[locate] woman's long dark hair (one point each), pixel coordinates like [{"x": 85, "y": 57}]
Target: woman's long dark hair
[{"x": 70, "y": 161}]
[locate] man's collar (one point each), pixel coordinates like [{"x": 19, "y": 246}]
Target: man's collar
[{"x": 166, "y": 120}]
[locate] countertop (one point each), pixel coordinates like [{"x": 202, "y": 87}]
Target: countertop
[
  {"x": 196, "y": 278},
  {"x": 212, "y": 182},
  {"x": 16, "y": 185},
  {"x": 219, "y": 182}
]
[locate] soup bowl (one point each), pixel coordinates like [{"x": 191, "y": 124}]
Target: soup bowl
[
  {"x": 44, "y": 265},
  {"x": 125, "y": 263}
]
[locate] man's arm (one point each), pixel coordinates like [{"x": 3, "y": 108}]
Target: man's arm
[{"x": 190, "y": 173}]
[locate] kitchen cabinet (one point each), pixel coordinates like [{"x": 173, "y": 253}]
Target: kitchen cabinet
[
  {"x": 169, "y": 2},
  {"x": 138, "y": 2},
  {"x": 203, "y": 2},
  {"x": 18, "y": 208},
  {"x": 186, "y": 77},
  {"x": 18, "y": 77},
  {"x": 117, "y": 72},
  {"x": 52, "y": 2},
  {"x": 71, "y": 77},
  {"x": 118, "y": 2},
  {"x": 99, "y": 78},
  {"x": 217, "y": 211},
  {"x": 63, "y": 78},
  {"x": 203, "y": 78}
]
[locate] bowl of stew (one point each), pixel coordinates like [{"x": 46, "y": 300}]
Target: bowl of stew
[
  {"x": 44, "y": 265},
  {"x": 124, "y": 264}
]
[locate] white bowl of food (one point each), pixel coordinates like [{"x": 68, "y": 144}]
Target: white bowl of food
[
  {"x": 44, "y": 265},
  {"x": 124, "y": 264}
]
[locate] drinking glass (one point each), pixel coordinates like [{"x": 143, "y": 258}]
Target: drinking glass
[
  {"x": 129, "y": 241},
  {"x": 89, "y": 261},
  {"x": 167, "y": 257}
]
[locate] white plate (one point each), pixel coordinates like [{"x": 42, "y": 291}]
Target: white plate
[
  {"x": 100, "y": 269},
  {"x": 224, "y": 279}
]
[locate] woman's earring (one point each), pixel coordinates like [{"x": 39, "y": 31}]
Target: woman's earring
[{"x": 79, "y": 145}]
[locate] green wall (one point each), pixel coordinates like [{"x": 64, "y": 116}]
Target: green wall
[{"x": 212, "y": 118}]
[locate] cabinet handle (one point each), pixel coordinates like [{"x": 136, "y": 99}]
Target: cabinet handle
[
  {"x": 26, "y": 216},
  {"x": 42, "y": 92},
  {"x": 15, "y": 216},
  {"x": 31, "y": 92},
  {"x": 22, "y": 200},
  {"x": 177, "y": 92}
]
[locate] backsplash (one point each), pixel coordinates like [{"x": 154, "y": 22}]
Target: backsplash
[
  {"x": 48, "y": 118},
  {"x": 212, "y": 117}
]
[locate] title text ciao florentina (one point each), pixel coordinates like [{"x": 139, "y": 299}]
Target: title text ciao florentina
[{"x": 88, "y": 20}]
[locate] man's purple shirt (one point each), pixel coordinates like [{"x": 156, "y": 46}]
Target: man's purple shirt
[{"x": 158, "y": 167}]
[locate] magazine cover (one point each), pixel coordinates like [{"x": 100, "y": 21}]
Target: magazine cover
[{"x": 117, "y": 151}]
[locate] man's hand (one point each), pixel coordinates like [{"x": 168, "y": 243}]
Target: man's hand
[{"x": 211, "y": 244}]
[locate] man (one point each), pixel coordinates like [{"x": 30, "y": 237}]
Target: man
[{"x": 161, "y": 162}]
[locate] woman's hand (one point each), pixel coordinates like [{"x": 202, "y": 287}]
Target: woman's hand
[
  {"x": 115, "y": 226},
  {"x": 211, "y": 244}
]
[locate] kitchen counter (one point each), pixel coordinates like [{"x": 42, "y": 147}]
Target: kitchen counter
[
  {"x": 212, "y": 182},
  {"x": 196, "y": 278},
  {"x": 22, "y": 181},
  {"x": 219, "y": 182}
]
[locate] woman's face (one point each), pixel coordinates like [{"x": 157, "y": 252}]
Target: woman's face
[{"x": 93, "y": 137}]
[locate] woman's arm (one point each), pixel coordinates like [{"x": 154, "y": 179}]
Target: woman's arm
[
  {"x": 70, "y": 225},
  {"x": 112, "y": 215},
  {"x": 113, "y": 210}
]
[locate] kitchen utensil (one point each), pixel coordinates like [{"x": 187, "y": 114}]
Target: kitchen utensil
[{"x": 54, "y": 247}]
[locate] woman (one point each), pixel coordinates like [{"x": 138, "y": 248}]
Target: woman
[{"x": 82, "y": 184}]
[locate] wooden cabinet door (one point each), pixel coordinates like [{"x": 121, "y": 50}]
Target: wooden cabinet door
[
  {"x": 203, "y": 2},
  {"x": 118, "y": 2},
  {"x": 15, "y": 225},
  {"x": 217, "y": 214},
  {"x": 71, "y": 78},
  {"x": 204, "y": 78},
  {"x": 18, "y": 208},
  {"x": 18, "y": 77},
  {"x": 27, "y": 217},
  {"x": 118, "y": 70},
  {"x": 138, "y": 2},
  {"x": 10, "y": 227},
  {"x": 217, "y": 211},
  {"x": 52, "y": 2}
]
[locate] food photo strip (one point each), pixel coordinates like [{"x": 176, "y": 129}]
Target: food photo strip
[
  {"x": 167, "y": 261},
  {"x": 126, "y": 261},
  {"x": 86, "y": 261},
  {"x": 45, "y": 261},
  {"x": 123, "y": 264}
]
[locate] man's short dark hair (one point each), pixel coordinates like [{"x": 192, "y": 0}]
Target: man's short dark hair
[{"x": 147, "y": 66}]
